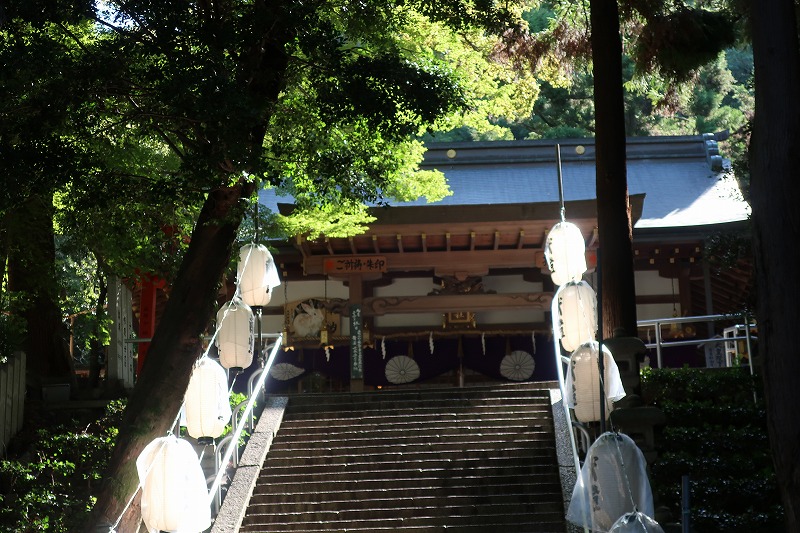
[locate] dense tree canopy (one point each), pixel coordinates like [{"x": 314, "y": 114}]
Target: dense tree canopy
[{"x": 710, "y": 96}]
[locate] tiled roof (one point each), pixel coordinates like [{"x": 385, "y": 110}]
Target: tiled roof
[{"x": 681, "y": 177}]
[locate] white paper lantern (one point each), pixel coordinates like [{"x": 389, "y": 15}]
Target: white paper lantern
[
  {"x": 257, "y": 275},
  {"x": 577, "y": 312},
  {"x": 174, "y": 493},
  {"x": 565, "y": 253},
  {"x": 637, "y": 522},
  {"x": 582, "y": 384},
  {"x": 236, "y": 335},
  {"x": 206, "y": 404},
  {"x": 613, "y": 482}
]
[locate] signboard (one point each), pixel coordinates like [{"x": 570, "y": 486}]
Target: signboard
[
  {"x": 355, "y": 264},
  {"x": 356, "y": 343}
]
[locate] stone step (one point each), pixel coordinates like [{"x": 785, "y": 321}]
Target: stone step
[
  {"x": 440, "y": 405},
  {"x": 440, "y": 432},
  {"x": 541, "y": 487},
  {"x": 290, "y": 447},
  {"x": 437, "y": 433},
  {"x": 524, "y": 524},
  {"x": 487, "y": 467},
  {"x": 410, "y": 498},
  {"x": 404, "y": 510},
  {"x": 429, "y": 423},
  {"x": 451, "y": 521},
  {"x": 423, "y": 459},
  {"x": 412, "y": 442},
  {"x": 393, "y": 457},
  {"x": 523, "y": 390},
  {"x": 269, "y": 481},
  {"x": 401, "y": 406},
  {"x": 508, "y": 409},
  {"x": 369, "y": 399}
]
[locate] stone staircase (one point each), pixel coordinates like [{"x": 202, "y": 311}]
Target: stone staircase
[{"x": 464, "y": 460}]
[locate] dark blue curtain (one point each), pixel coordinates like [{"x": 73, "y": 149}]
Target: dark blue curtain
[{"x": 443, "y": 359}]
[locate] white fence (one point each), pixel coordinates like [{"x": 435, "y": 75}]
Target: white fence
[{"x": 12, "y": 398}]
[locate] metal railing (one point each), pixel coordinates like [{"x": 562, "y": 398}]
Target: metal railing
[
  {"x": 228, "y": 448},
  {"x": 741, "y": 320}
]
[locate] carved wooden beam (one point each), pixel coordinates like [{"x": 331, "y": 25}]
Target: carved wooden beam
[
  {"x": 377, "y": 306},
  {"x": 445, "y": 263}
]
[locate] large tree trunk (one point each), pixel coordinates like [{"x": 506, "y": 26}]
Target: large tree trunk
[
  {"x": 176, "y": 346},
  {"x": 775, "y": 194},
  {"x": 32, "y": 273},
  {"x": 618, "y": 296}
]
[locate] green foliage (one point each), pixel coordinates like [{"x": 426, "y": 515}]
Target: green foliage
[
  {"x": 334, "y": 93},
  {"x": 563, "y": 111},
  {"x": 12, "y": 327},
  {"x": 235, "y": 399},
  {"x": 41, "y": 58},
  {"x": 82, "y": 288},
  {"x": 678, "y": 41},
  {"x": 676, "y": 81},
  {"x": 716, "y": 434},
  {"x": 53, "y": 487},
  {"x": 716, "y": 102}
]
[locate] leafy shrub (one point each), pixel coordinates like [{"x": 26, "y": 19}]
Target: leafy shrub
[
  {"x": 52, "y": 486},
  {"x": 715, "y": 433}
]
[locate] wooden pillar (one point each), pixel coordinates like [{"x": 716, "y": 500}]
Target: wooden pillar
[
  {"x": 685, "y": 291},
  {"x": 147, "y": 319}
]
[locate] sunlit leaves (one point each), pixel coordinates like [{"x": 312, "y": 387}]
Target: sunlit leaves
[
  {"x": 331, "y": 220},
  {"x": 493, "y": 89}
]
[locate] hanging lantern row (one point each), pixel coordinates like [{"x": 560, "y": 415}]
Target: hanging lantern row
[
  {"x": 612, "y": 492},
  {"x": 577, "y": 325},
  {"x": 174, "y": 492},
  {"x": 565, "y": 253}
]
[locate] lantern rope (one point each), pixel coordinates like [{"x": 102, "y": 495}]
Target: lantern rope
[
  {"x": 560, "y": 183},
  {"x": 237, "y": 292},
  {"x": 625, "y": 473},
  {"x": 437, "y": 334}
]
